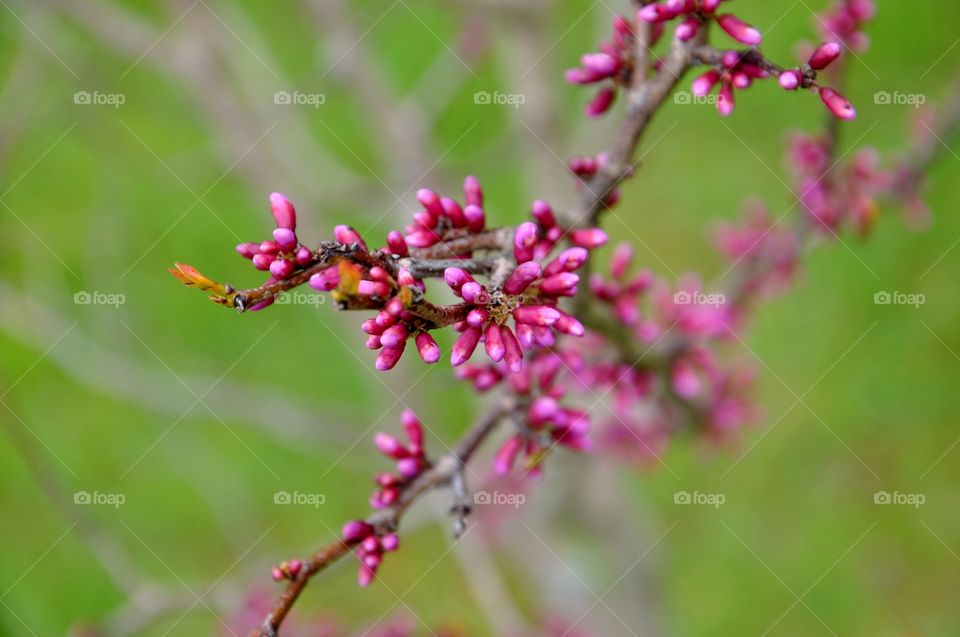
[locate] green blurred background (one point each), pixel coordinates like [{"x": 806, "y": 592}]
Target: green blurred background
[{"x": 197, "y": 416}]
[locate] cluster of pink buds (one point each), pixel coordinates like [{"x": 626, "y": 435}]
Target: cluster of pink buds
[
  {"x": 694, "y": 12},
  {"x": 736, "y": 71},
  {"x": 845, "y": 21},
  {"x": 390, "y": 329},
  {"x": 611, "y": 67},
  {"x": 803, "y": 77},
  {"x": 409, "y": 458},
  {"x": 440, "y": 214},
  {"x": 830, "y": 194},
  {"x": 283, "y": 254},
  {"x": 287, "y": 570},
  {"x": 369, "y": 547}
]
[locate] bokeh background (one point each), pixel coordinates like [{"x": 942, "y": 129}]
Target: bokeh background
[{"x": 197, "y": 416}]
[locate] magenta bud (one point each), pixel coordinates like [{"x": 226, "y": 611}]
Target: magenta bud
[
  {"x": 464, "y": 346},
  {"x": 373, "y": 288},
  {"x": 423, "y": 238},
  {"x": 356, "y": 531},
  {"x": 506, "y": 455},
  {"x": 370, "y": 545},
  {"x": 473, "y": 292},
  {"x": 427, "y": 348},
  {"x": 453, "y": 212},
  {"x": 472, "y": 191},
  {"x": 477, "y": 317},
  {"x": 413, "y": 427},
  {"x": 283, "y": 212},
  {"x": 408, "y": 467},
  {"x": 390, "y": 542},
  {"x": 365, "y": 576},
  {"x": 293, "y": 568},
  {"x": 790, "y": 80},
  {"x": 276, "y": 574},
  {"x": 389, "y": 357},
  {"x": 825, "y": 55},
  {"x": 563, "y": 284},
  {"x": 269, "y": 247},
  {"x": 282, "y": 268},
  {"x": 396, "y": 243},
  {"x": 512, "y": 353},
  {"x": 543, "y": 213},
  {"x": 566, "y": 324},
  {"x": 725, "y": 100},
  {"x": 739, "y": 30},
  {"x": 373, "y": 342},
  {"x": 837, "y": 104},
  {"x": 536, "y": 315},
  {"x": 620, "y": 262},
  {"x": 394, "y": 336},
  {"x": 389, "y": 445},
  {"x": 687, "y": 29},
  {"x": 262, "y": 261},
  {"x": 601, "y": 102},
  {"x": 405, "y": 278},
  {"x": 248, "y": 250},
  {"x": 431, "y": 202},
  {"x": 370, "y": 326},
  {"x": 524, "y": 240},
  {"x": 286, "y": 239},
  {"x": 456, "y": 278},
  {"x": 476, "y": 219},
  {"x": 588, "y": 238},
  {"x": 702, "y": 86},
  {"x": 542, "y": 410},
  {"x": 347, "y": 235},
  {"x": 525, "y": 336},
  {"x": 522, "y": 276},
  {"x": 493, "y": 342},
  {"x": 304, "y": 256}
]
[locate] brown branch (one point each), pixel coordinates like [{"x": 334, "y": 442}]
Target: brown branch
[{"x": 440, "y": 474}]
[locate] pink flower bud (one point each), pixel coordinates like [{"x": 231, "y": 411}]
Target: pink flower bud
[
  {"x": 389, "y": 445},
  {"x": 413, "y": 427},
  {"x": 620, "y": 262},
  {"x": 262, "y": 261},
  {"x": 542, "y": 410},
  {"x": 286, "y": 239},
  {"x": 522, "y": 276},
  {"x": 472, "y": 191},
  {"x": 453, "y": 212},
  {"x": 739, "y": 30},
  {"x": 394, "y": 336},
  {"x": 248, "y": 250},
  {"x": 512, "y": 353},
  {"x": 790, "y": 80},
  {"x": 536, "y": 315},
  {"x": 347, "y": 235},
  {"x": 431, "y": 202},
  {"x": 355, "y": 531},
  {"x": 524, "y": 240},
  {"x": 588, "y": 238},
  {"x": 566, "y": 324},
  {"x": 837, "y": 104},
  {"x": 276, "y": 574},
  {"x": 365, "y": 576},
  {"x": 405, "y": 278},
  {"x": 373, "y": 342},
  {"x": 525, "y": 336},
  {"x": 389, "y": 357},
  {"x": 427, "y": 348},
  {"x": 563, "y": 284},
  {"x": 325, "y": 280},
  {"x": 493, "y": 342},
  {"x": 825, "y": 55},
  {"x": 687, "y": 29},
  {"x": 390, "y": 542},
  {"x": 464, "y": 346},
  {"x": 373, "y": 288},
  {"x": 282, "y": 268},
  {"x": 423, "y": 238},
  {"x": 269, "y": 247},
  {"x": 304, "y": 256},
  {"x": 476, "y": 219},
  {"x": 456, "y": 277},
  {"x": 283, "y": 212},
  {"x": 396, "y": 243},
  {"x": 725, "y": 100},
  {"x": 702, "y": 86},
  {"x": 543, "y": 213},
  {"x": 477, "y": 317},
  {"x": 507, "y": 455},
  {"x": 601, "y": 102},
  {"x": 473, "y": 292},
  {"x": 293, "y": 568},
  {"x": 408, "y": 467}
]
